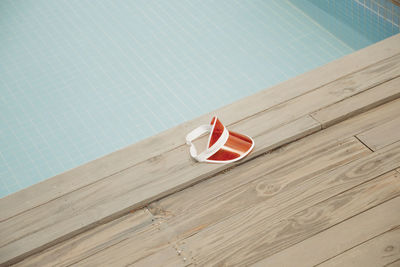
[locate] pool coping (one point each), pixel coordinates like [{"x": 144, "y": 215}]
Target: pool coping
[{"x": 234, "y": 115}]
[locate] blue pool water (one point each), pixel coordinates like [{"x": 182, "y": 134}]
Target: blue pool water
[{"x": 80, "y": 79}]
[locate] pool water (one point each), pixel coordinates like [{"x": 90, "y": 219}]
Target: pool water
[{"x": 80, "y": 79}]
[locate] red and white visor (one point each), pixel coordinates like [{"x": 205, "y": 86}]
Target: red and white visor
[{"x": 223, "y": 146}]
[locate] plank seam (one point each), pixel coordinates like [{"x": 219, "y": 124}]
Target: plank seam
[
  {"x": 363, "y": 242},
  {"x": 345, "y": 191},
  {"x": 74, "y": 262},
  {"x": 320, "y": 123},
  {"x": 87, "y": 256},
  {"x": 359, "y": 110},
  {"x": 72, "y": 235},
  {"x": 389, "y": 264},
  {"x": 361, "y": 92},
  {"x": 364, "y": 144}
]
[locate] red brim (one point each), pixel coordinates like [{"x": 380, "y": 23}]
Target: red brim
[{"x": 237, "y": 145}]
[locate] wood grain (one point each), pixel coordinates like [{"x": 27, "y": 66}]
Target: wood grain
[
  {"x": 342, "y": 237},
  {"x": 352, "y": 106},
  {"x": 146, "y": 245},
  {"x": 377, "y": 116},
  {"x": 120, "y": 160},
  {"x": 167, "y": 256},
  {"x": 275, "y": 186},
  {"x": 248, "y": 237},
  {"x": 396, "y": 263},
  {"x": 90, "y": 242},
  {"x": 288, "y": 200},
  {"x": 309, "y": 159},
  {"x": 382, "y": 135},
  {"x": 379, "y": 251}
]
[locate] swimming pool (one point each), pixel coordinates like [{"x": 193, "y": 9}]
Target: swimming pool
[{"x": 80, "y": 79}]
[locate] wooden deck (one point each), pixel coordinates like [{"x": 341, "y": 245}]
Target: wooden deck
[{"x": 322, "y": 186}]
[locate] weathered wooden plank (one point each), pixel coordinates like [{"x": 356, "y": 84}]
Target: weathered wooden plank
[
  {"x": 248, "y": 237},
  {"x": 88, "y": 243},
  {"x": 354, "y": 105},
  {"x": 382, "y": 135},
  {"x": 172, "y": 255},
  {"x": 118, "y": 161},
  {"x": 378, "y": 251},
  {"x": 166, "y": 256},
  {"x": 147, "y": 244},
  {"x": 342, "y": 237}
]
